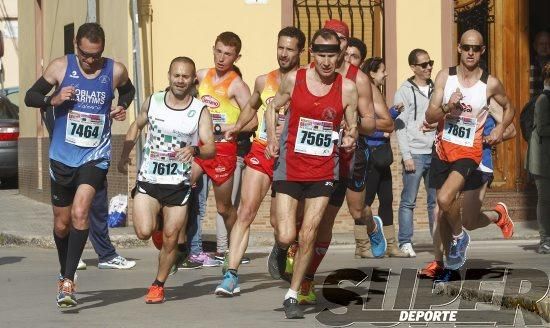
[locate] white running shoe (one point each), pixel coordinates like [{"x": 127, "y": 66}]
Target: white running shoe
[
  {"x": 118, "y": 262},
  {"x": 407, "y": 248},
  {"x": 81, "y": 265}
]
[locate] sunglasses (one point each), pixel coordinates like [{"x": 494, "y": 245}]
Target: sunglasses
[
  {"x": 87, "y": 55},
  {"x": 471, "y": 47},
  {"x": 425, "y": 64}
]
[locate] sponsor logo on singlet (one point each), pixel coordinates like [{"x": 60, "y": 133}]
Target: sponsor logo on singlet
[
  {"x": 104, "y": 79},
  {"x": 90, "y": 97},
  {"x": 329, "y": 114},
  {"x": 254, "y": 161},
  {"x": 74, "y": 75},
  {"x": 210, "y": 101}
]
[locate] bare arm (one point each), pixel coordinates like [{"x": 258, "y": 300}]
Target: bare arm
[
  {"x": 496, "y": 91},
  {"x": 384, "y": 121},
  {"x": 248, "y": 113},
  {"x": 434, "y": 113},
  {"x": 206, "y": 135},
  {"x": 241, "y": 93},
  {"x": 350, "y": 99},
  {"x": 365, "y": 104},
  {"x": 132, "y": 136},
  {"x": 282, "y": 97}
]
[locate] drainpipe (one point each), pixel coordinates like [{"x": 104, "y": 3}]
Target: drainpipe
[
  {"x": 91, "y": 15},
  {"x": 137, "y": 74}
]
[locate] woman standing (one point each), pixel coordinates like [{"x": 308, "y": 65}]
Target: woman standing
[{"x": 538, "y": 160}]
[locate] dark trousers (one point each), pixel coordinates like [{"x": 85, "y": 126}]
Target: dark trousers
[{"x": 99, "y": 231}]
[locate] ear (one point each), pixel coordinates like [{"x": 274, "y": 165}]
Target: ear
[
  {"x": 458, "y": 49},
  {"x": 238, "y": 57},
  {"x": 483, "y": 50}
]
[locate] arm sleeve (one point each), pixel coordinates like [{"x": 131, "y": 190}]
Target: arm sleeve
[
  {"x": 36, "y": 95},
  {"x": 126, "y": 94},
  {"x": 401, "y": 123}
]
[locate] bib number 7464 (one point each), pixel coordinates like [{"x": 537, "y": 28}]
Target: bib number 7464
[{"x": 84, "y": 131}]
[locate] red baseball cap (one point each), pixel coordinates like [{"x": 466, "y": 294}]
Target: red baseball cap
[{"x": 337, "y": 26}]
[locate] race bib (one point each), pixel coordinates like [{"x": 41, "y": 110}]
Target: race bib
[
  {"x": 460, "y": 130},
  {"x": 164, "y": 168},
  {"x": 84, "y": 129},
  {"x": 314, "y": 137},
  {"x": 263, "y": 132}
]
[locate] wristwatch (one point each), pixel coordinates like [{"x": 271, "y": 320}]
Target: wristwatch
[
  {"x": 196, "y": 151},
  {"x": 217, "y": 129}
]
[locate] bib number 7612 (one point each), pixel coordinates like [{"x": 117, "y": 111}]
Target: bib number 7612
[
  {"x": 165, "y": 168},
  {"x": 317, "y": 139}
]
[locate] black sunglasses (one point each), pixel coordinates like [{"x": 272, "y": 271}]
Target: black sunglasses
[
  {"x": 87, "y": 55},
  {"x": 425, "y": 64},
  {"x": 471, "y": 47}
]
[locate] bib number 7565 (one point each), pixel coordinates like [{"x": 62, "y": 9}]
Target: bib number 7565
[{"x": 318, "y": 139}]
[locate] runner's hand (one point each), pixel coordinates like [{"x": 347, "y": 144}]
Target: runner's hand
[
  {"x": 123, "y": 165},
  {"x": 409, "y": 165},
  {"x": 185, "y": 154},
  {"x": 118, "y": 113},
  {"x": 272, "y": 149},
  {"x": 495, "y": 136},
  {"x": 427, "y": 127},
  {"x": 231, "y": 131},
  {"x": 348, "y": 143},
  {"x": 65, "y": 94}
]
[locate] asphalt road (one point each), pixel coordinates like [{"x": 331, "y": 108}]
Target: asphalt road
[{"x": 111, "y": 298}]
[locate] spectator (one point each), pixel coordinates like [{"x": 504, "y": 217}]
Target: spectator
[
  {"x": 415, "y": 144},
  {"x": 541, "y": 55},
  {"x": 538, "y": 160}
]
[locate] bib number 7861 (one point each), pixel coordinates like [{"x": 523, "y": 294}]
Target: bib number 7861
[{"x": 459, "y": 131}]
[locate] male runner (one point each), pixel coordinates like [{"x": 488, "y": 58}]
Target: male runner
[
  {"x": 225, "y": 93},
  {"x": 175, "y": 120},
  {"x": 307, "y": 166},
  {"x": 473, "y": 193},
  {"x": 352, "y": 172},
  {"x": 259, "y": 171},
  {"x": 356, "y": 52},
  {"x": 80, "y": 151},
  {"x": 459, "y": 105}
]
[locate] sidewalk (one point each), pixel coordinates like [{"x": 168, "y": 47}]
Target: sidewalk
[{"x": 25, "y": 222}]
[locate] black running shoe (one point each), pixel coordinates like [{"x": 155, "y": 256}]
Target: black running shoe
[
  {"x": 292, "y": 310},
  {"x": 448, "y": 275},
  {"x": 276, "y": 262}
]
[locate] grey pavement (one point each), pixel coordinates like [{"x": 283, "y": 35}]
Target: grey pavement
[
  {"x": 28, "y": 224},
  {"x": 358, "y": 291}
]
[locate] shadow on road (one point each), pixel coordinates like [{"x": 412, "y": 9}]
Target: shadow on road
[{"x": 11, "y": 259}]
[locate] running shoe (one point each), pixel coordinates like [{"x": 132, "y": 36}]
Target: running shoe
[
  {"x": 180, "y": 258},
  {"x": 118, "y": 262},
  {"x": 292, "y": 310},
  {"x": 229, "y": 285},
  {"x": 431, "y": 270},
  {"x": 289, "y": 265},
  {"x": 276, "y": 262},
  {"x": 65, "y": 296},
  {"x": 190, "y": 264},
  {"x": 504, "y": 222},
  {"x": 224, "y": 262},
  {"x": 377, "y": 239},
  {"x": 155, "y": 295},
  {"x": 205, "y": 259},
  {"x": 458, "y": 252},
  {"x": 156, "y": 237},
  {"x": 544, "y": 248},
  {"x": 448, "y": 275},
  {"x": 306, "y": 294},
  {"x": 81, "y": 265},
  {"x": 408, "y": 249}
]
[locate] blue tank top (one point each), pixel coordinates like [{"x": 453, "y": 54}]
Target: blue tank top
[
  {"x": 82, "y": 127},
  {"x": 486, "y": 154}
]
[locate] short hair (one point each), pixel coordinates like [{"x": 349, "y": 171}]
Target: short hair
[
  {"x": 355, "y": 42},
  {"x": 230, "y": 39},
  {"x": 91, "y": 31},
  {"x": 326, "y": 34},
  {"x": 182, "y": 59},
  {"x": 372, "y": 65},
  {"x": 294, "y": 32},
  {"x": 546, "y": 71},
  {"x": 414, "y": 54}
]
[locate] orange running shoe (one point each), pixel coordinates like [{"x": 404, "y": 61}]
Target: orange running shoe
[
  {"x": 431, "y": 270},
  {"x": 155, "y": 295},
  {"x": 504, "y": 222}
]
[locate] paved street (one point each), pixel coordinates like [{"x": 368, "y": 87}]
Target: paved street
[{"x": 111, "y": 298}]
